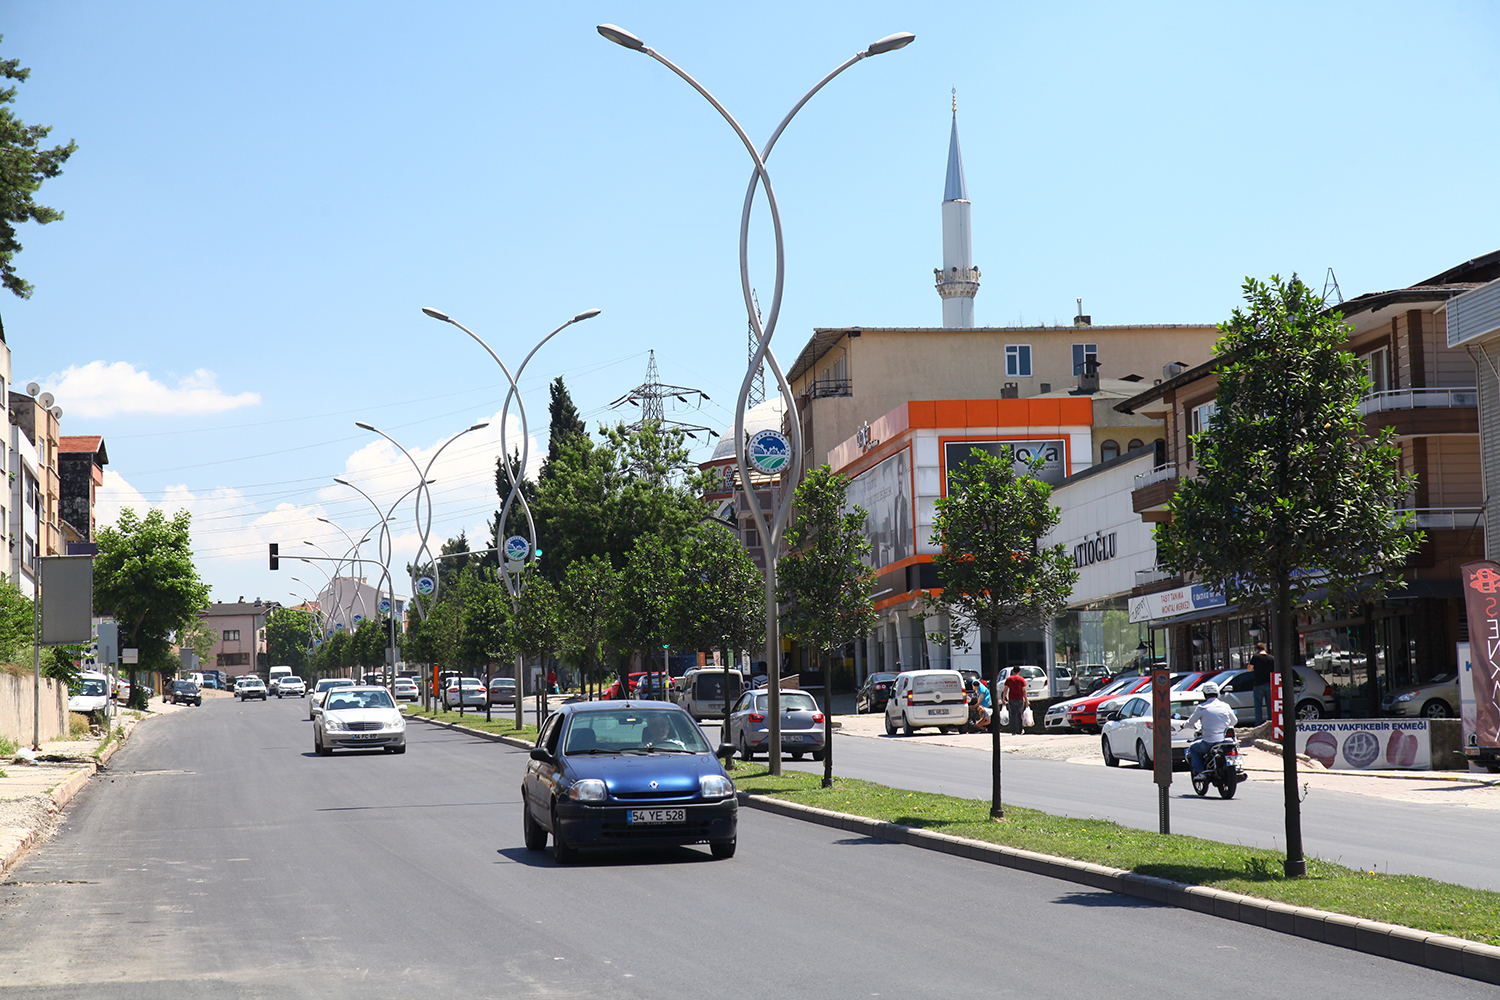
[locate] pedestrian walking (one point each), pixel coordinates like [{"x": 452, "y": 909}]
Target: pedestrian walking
[
  {"x": 1261, "y": 664},
  {"x": 1015, "y": 699}
]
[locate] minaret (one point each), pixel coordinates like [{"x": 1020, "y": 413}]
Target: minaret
[{"x": 958, "y": 279}]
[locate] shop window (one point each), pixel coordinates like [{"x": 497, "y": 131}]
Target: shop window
[
  {"x": 1109, "y": 450},
  {"x": 1018, "y": 360}
]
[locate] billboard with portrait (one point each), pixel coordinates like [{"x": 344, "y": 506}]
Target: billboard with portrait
[
  {"x": 884, "y": 492},
  {"x": 1051, "y": 452}
]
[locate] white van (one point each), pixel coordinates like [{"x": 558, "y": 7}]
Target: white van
[
  {"x": 701, "y": 693},
  {"x": 93, "y": 693},
  {"x": 927, "y": 698},
  {"x": 277, "y": 673}
]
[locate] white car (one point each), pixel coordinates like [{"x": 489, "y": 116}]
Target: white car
[
  {"x": 93, "y": 693},
  {"x": 1128, "y": 731},
  {"x": 320, "y": 690},
  {"x": 288, "y": 686},
  {"x": 464, "y": 690},
  {"x": 927, "y": 698},
  {"x": 1434, "y": 699},
  {"x": 1313, "y": 697},
  {"x": 1056, "y": 719},
  {"x": 250, "y": 687},
  {"x": 359, "y": 718},
  {"x": 406, "y": 689},
  {"x": 1036, "y": 680}
]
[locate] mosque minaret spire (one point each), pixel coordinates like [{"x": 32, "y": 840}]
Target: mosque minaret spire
[{"x": 958, "y": 278}]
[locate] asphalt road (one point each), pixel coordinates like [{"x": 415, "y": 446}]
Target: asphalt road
[
  {"x": 1439, "y": 841},
  {"x": 219, "y": 858}
]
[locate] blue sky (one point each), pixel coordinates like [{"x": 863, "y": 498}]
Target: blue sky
[{"x": 265, "y": 196}]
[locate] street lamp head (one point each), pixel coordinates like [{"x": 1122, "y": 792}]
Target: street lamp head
[
  {"x": 341, "y": 482},
  {"x": 437, "y": 314},
  {"x": 364, "y": 426},
  {"x": 890, "y": 43},
  {"x": 586, "y": 314},
  {"x": 620, "y": 36},
  {"x": 480, "y": 426}
]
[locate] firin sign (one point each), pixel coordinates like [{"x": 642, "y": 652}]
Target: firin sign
[{"x": 1482, "y": 602}]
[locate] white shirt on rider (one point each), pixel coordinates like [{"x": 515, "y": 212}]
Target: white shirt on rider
[{"x": 1215, "y": 717}]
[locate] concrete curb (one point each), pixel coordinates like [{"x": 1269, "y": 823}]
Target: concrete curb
[
  {"x": 509, "y": 741},
  {"x": 1457, "y": 956}
]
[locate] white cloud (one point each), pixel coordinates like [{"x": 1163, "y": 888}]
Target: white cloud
[
  {"x": 231, "y": 531},
  {"x": 98, "y": 389}
]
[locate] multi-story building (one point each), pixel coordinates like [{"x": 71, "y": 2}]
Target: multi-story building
[
  {"x": 347, "y": 601},
  {"x": 81, "y": 462},
  {"x": 239, "y": 635},
  {"x": 1426, "y": 391},
  {"x": 38, "y": 419}
]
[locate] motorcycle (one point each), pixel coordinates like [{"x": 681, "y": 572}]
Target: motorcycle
[{"x": 1224, "y": 770}]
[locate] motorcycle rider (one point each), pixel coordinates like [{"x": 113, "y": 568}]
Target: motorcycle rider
[{"x": 1215, "y": 717}]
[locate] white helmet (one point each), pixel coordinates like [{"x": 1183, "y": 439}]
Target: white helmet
[{"x": 1210, "y": 690}]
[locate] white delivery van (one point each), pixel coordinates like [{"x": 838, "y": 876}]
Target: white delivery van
[
  {"x": 927, "y": 698},
  {"x": 277, "y": 673},
  {"x": 701, "y": 692},
  {"x": 93, "y": 694}
]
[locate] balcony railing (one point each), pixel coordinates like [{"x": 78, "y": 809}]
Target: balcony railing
[
  {"x": 1159, "y": 474},
  {"x": 823, "y": 388},
  {"x": 1418, "y": 399},
  {"x": 1460, "y": 518},
  {"x": 1146, "y": 577}
]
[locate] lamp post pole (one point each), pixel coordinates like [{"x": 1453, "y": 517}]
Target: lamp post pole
[
  {"x": 514, "y": 581},
  {"x": 383, "y": 549},
  {"x": 780, "y": 506}
]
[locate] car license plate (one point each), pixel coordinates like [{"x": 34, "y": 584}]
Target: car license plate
[
  {"x": 656, "y": 816},
  {"x": 791, "y": 738},
  {"x": 366, "y": 736}
]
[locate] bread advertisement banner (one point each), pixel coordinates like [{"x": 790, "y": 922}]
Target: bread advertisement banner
[
  {"x": 1482, "y": 601},
  {"x": 1367, "y": 744}
]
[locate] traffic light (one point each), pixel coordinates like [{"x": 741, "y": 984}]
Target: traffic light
[
  {"x": 275, "y": 556},
  {"x": 539, "y": 553}
]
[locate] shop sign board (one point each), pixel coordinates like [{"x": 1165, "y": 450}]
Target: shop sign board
[
  {"x": 1050, "y": 456},
  {"x": 1161, "y": 727},
  {"x": 1170, "y": 603},
  {"x": 1367, "y": 744},
  {"x": 1278, "y": 708}
]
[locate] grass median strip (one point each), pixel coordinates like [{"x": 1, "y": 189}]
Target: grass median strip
[
  {"x": 1421, "y": 903},
  {"x": 500, "y": 725}
]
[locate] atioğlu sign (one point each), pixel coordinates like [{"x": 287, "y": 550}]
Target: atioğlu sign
[
  {"x": 1170, "y": 603},
  {"x": 1094, "y": 550}
]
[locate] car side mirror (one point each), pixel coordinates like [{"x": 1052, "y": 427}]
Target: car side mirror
[
  {"x": 726, "y": 751},
  {"x": 541, "y": 754}
]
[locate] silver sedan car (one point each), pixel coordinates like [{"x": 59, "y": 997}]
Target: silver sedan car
[
  {"x": 749, "y": 729},
  {"x": 359, "y": 718}
]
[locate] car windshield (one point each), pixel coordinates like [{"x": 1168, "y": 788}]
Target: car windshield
[
  {"x": 791, "y": 701},
  {"x": 634, "y": 731},
  {"x": 359, "y": 699},
  {"x": 182, "y": 685},
  {"x": 291, "y": 680},
  {"x": 93, "y": 687},
  {"x": 250, "y": 682}
]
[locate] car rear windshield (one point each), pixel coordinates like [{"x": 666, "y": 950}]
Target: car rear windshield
[
  {"x": 928, "y": 683},
  {"x": 629, "y": 730},
  {"x": 791, "y": 701}
]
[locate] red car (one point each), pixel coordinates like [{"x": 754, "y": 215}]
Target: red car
[
  {"x": 639, "y": 687},
  {"x": 1084, "y": 713}
]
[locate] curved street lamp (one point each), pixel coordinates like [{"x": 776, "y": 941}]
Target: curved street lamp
[{"x": 771, "y": 531}]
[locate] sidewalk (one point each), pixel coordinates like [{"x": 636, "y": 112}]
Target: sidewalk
[{"x": 32, "y": 794}]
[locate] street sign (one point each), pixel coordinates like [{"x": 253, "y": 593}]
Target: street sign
[
  {"x": 130, "y": 656},
  {"x": 67, "y": 599},
  {"x": 358, "y": 619},
  {"x": 1161, "y": 727},
  {"x": 425, "y": 585},
  {"x": 516, "y": 549},
  {"x": 769, "y": 451},
  {"x": 385, "y": 605}
]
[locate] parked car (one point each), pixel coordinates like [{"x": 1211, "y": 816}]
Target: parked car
[
  {"x": 749, "y": 729},
  {"x": 464, "y": 691},
  {"x": 1127, "y": 732},
  {"x": 927, "y": 698},
  {"x": 606, "y": 774},
  {"x": 615, "y": 692},
  {"x": 121, "y": 689},
  {"x": 320, "y": 691},
  {"x": 185, "y": 693},
  {"x": 359, "y": 717},
  {"x": 1083, "y": 712},
  {"x": 702, "y": 692},
  {"x": 1056, "y": 719},
  {"x": 250, "y": 687},
  {"x": 406, "y": 689},
  {"x": 1434, "y": 699},
  {"x": 1312, "y": 698},
  {"x": 289, "y": 686},
  {"x": 874, "y": 693},
  {"x": 1036, "y": 680},
  {"x": 93, "y": 693},
  {"x": 210, "y": 681}
]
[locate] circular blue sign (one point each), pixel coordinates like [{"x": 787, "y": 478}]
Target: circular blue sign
[
  {"x": 425, "y": 585},
  {"x": 769, "y": 451},
  {"x": 516, "y": 548}
]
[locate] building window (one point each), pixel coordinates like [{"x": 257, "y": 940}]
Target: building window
[
  {"x": 1199, "y": 418},
  {"x": 231, "y": 635},
  {"x": 234, "y": 659},
  {"x": 1134, "y": 444},
  {"x": 1018, "y": 360},
  {"x": 1378, "y": 368},
  {"x": 1109, "y": 450},
  {"x": 1081, "y": 353}
]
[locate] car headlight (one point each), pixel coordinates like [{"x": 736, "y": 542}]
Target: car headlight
[
  {"x": 329, "y": 722},
  {"x": 398, "y": 724},
  {"x": 715, "y": 786},
  {"x": 587, "y": 790},
  {"x": 1408, "y": 696}
]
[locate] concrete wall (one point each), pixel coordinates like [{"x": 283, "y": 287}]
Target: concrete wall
[{"x": 16, "y": 708}]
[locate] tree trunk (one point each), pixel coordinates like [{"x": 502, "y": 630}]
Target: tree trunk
[
  {"x": 827, "y": 721},
  {"x": 997, "y": 811},
  {"x": 1296, "y": 864}
]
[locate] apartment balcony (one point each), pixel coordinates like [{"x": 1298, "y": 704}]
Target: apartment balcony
[
  {"x": 1147, "y": 577},
  {"x": 1153, "y": 490},
  {"x": 1422, "y": 412},
  {"x": 1445, "y": 518},
  {"x": 823, "y": 388}
]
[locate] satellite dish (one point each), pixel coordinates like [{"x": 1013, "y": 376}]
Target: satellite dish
[
  {"x": 33, "y": 388},
  {"x": 57, "y": 412},
  {"x": 46, "y": 399}
]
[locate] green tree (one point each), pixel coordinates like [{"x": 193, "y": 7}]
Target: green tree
[
  {"x": 719, "y": 602},
  {"x": 17, "y": 624},
  {"x": 337, "y": 652},
  {"x": 565, "y": 427},
  {"x": 289, "y": 633},
  {"x": 994, "y": 571},
  {"x": 1293, "y": 502},
  {"x": 823, "y": 581},
  {"x": 145, "y": 577},
  {"x": 198, "y": 636},
  {"x": 647, "y": 587},
  {"x": 587, "y": 615},
  {"x": 24, "y": 165},
  {"x": 535, "y": 622}
]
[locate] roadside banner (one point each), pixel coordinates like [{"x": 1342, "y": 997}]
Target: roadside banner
[
  {"x": 1367, "y": 744},
  {"x": 1466, "y": 703},
  {"x": 1278, "y": 708},
  {"x": 1482, "y": 602}
]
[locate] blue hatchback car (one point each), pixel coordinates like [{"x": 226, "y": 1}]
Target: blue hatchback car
[{"x": 620, "y": 774}]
